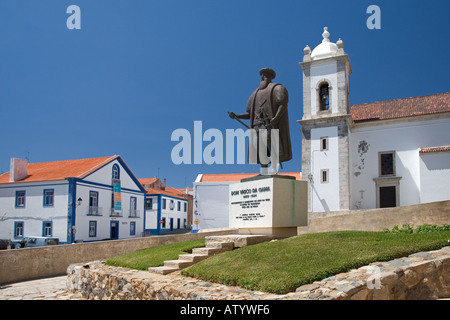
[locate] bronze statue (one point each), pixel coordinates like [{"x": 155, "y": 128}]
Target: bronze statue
[{"x": 267, "y": 110}]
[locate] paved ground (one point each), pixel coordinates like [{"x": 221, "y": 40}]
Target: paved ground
[{"x": 41, "y": 289}]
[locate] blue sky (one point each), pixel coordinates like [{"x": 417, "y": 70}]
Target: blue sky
[{"x": 138, "y": 70}]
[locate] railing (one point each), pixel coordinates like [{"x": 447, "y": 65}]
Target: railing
[
  {"x": 134, "y": 213},
  {"x": 115, "y": 213},
  {"x": 95, "y": 211}
]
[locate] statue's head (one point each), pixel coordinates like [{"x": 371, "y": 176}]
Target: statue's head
[{"x": 267, "y": 73}]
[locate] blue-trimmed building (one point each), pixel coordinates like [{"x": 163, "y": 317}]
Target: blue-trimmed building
[
  {"x": 166, "y": 209},
  {"x": 74, "y": 200}
]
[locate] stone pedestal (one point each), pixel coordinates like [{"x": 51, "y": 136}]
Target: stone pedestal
[{"x": 269, "y": 205}]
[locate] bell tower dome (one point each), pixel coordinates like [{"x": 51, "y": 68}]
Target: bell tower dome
[{"x": 325, "y": 124}]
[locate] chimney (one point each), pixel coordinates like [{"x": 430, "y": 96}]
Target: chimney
[
  {"x": 164, "y": 183},
  {"x": 18, "y": 169}
]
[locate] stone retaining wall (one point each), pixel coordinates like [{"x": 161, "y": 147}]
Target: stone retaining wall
[
  {"x": 424, "y": 275},
  {"x": 32, "y": 263},
  {"x": 376, "y": 219}
]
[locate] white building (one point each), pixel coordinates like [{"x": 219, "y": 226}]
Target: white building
[
  {"x": 166, "y": 209},
  {"x": 212, "y": 196},
  {"x": 373, "y": 155},
  {"x": 73, "y": 200}
]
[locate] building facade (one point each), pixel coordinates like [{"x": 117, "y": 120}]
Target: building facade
[
  {"x": 166, "y": 209},
  {"x": 74, "y": 200},
  {"x": 373, "y": 155}
]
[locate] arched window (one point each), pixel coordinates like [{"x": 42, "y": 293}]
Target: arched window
[
  {"x": 115, "y": 172},
  {"x": 324, "y": 97}
]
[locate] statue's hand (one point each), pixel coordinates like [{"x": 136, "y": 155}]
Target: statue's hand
[{"x": 232, "y": 115}]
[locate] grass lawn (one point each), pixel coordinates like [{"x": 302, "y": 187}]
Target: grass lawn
[
  {"x": 282, "y": 266},
  {"x": 154, "y": 256}
]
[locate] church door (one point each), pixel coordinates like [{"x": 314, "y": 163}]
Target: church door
[{"x": 388, "y": 197}]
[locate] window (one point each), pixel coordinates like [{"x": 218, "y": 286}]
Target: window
[
  {"x": 163, "y": 224},
  {"x": 178, "y": 205},
  {"x": 133, "y": 212},
  {"x": 46, "y": 228},
  {"x": 324, "y": 97},
  {"x": 115, "y": 172},
  {"x": 324, "y": 144},
  {"x": 20, "y": 198},
  {"x": 164, "y": 203},
  {"x": 148, "y": 203},
  {"x": 18, "y": 229},
  {"x": 48, "y": 197},
  {"x": 324, "y": 176},
  {"x": 172, "y": 205},
  {"x": 387, "y": 164},
  {"x": 185, "y": 207},
  {"x": 132, "y": 228},
  {"x": 93, "y": 203},
  {"x": 92, "y": 229}
]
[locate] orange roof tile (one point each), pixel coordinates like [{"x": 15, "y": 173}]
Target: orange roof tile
[
  {"x": 401, "y": 108},
  {"x": 227, "y": 177},
  {"x": 168, "y": 192},
  {"x": 148, "y": 180},
  {"x": 60, "y": 170},
  {"x": 434, "y": 149}
]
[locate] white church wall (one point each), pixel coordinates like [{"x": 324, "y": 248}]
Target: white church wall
[
  {"x": 325, "y": 195},
  {"x": 405, "y": 137},
  {"x": 434, "y": 176}
]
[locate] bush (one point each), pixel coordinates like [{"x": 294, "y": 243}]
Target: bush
[{"x": 407, "y": 228}]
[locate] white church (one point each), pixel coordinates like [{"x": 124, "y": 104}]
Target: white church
[{"x": 372, "y": 155}]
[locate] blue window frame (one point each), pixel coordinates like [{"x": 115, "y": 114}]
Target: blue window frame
[
  {"x": 149, "y": 203},
  {"x": 49, "y": 197},
  {"x": 47, "y": 228},
  {"x": 116, "y": 172},
  {"x": 92, "y": 229},
  {"x": 185, "y": 207},
  {"x": 172, "y": 204},
  {"x": 178, "y": 206},
  {"x": 164, "y": 204},
  {"x": 132, "y": 228},
  {"x": 18, "y": 229},
  {"x": 20, "y": 199},
  {"x": 93, "y": 203}
]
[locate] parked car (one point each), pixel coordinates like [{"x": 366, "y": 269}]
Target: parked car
[
  {"x": 6, "y": 244},
  {"x": 31, "y": 242}
]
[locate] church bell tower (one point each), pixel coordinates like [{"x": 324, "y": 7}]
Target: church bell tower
[{"x": 325, "y": 125}]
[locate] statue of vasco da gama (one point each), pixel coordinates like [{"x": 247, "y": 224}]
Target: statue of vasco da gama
[{"x": 267, "y": 110}]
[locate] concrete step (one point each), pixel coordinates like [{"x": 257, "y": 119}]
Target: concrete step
[
  {"x": 193, "y": 257},
  {"x": 208, "y": 251},
  {"x": 180, "y": 264},
  {"x": 220, "y": 244},
  {"x": 239, "y": 240},
  {"x": 162, "y": 270}
]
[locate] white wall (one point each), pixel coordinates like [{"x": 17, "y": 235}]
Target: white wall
[
  {"x": 34, "y": 212},
  {"x": 434, "y": 177},
  {"x": 325, "y": 196},
  {"x": 211, "y": 202},
  {"x": 405, "y": 137}
]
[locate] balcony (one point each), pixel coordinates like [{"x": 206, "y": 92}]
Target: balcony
[
  {"x": 134, "y": 213},
  {"x": 115, "y": 213},
  {"x": 95, "y": 211}
]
